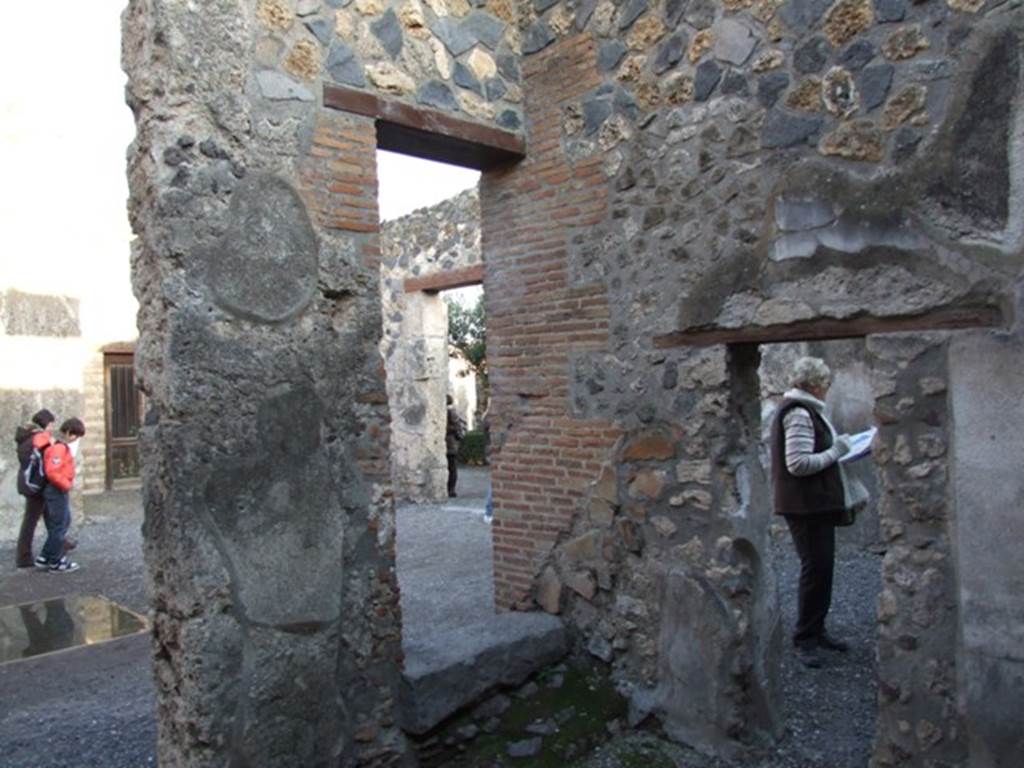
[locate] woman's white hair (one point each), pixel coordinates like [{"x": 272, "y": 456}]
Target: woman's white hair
[{"x": 809, "y": 373}]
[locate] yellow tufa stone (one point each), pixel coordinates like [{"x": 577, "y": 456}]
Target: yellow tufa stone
[
  {"x": 561, "y": 20},
  {"x": 768, "y": 61},
  {"x": 678, "y": 89},
  {"x": 481, "y": 64},
  {"x": 304, "y": 60},
  {"x": 390, "y": 79},
  {"x": 474, "y": 106},
  {"x": 855, "y": 140},
  {"x": 572, "y": 123},
  {"x": 907, "y": 106},
  {"x": 806, "y": 96},
  {"x": 412, "y": 18},
  {"x": 839, "y": 93},
  {"x": 370, "y": 7},
  {"x": 631, "y": 69},
  {"x": 966, "y": 6},
  {"x": 847, "y": 19},
  {"x": 700, "y": 45},
  {"x": 448, "y": 7},
  {"x": 764, "y": 10},
  {"x": 776, "y": 30},
  {"x": 734, "y": 6},
  {"x": 344, "y": 25},
  {"x": 503, "y": 9},
  {"x": 905, "y": 43},
  {"x": 442, "y": 61},
  {"x": 276, "y": 14},
  {"x": 645, "y": 33}
]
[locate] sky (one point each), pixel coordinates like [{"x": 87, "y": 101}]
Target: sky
[{"x": 64, "y": 131}]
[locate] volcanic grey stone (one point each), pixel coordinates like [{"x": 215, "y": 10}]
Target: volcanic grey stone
[
  {"x": 542, "y": 5},
  {"x": 735, "y": 84},
  {"x": 700, "y": 14},
  {"x": 484, "y": 28},
  {"x": 977, "y": 181},
  {"x": 508, "y": 66},
  {"x": 538, "y": 37},
  {"x": 670, "y": 53},
  {"x": 600, "y": 647},
  {"x": 510, "y": 120},
  {"x": 874, "y": 83},
  {"x": 610, "y": 54},
  {"x": 785, "y": 129},
  {"x": 322, "y": 29},
  {"x": 858, "y": 55},
  {"x": 707, "y": 77},
  {"x": 905, "y": 143},
  {"x": 526, "y": 748},
  {"x": 811, "y": 56},
  {"x": 264, "y": 267},
  {"x": 464, "y": 78},
  {"x": 494, "y": 88},
  {"x": 770, "y": 87},
  {"x": 626, "y": 104},
  {"x": 344, "y": 67},
  {"x": 734, "y": 42},
  {"x": 674, "y": 12},
  {"x": 388, "y": 30},
  {"x": 798, "y": 214},
  {"x": 800, "y": 15},
  {"x": 455, "y": 36},
  {"x": 307, "y": 7},
  {"x": 631, "y": 11},
  {"x": 595, "y": 112},
  {"x": 434, "y": 93},
  {"x": 583, "y": 13},
  {"x": 495, "y": 706},
  {"x": 890, "y": 10},
  {"x": 279, "y": 87}
]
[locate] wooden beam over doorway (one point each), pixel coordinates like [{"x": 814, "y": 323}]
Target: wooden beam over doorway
[
  {"x": 443, "y": 281},
  {"x": 951, "y": 319},
  {"x": 427, "y": 133}
]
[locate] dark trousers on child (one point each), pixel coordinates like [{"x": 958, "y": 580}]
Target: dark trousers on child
[
  {"x": 815, "y": 539},
  {"x": 35, "y": 507}
]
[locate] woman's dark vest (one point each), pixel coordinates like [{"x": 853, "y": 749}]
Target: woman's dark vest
[{"x": 820, "y": 493}]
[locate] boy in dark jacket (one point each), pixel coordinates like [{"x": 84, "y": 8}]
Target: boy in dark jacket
[
  {"x": 59, "y": 461},
  {"x": 34, "y": 435}
]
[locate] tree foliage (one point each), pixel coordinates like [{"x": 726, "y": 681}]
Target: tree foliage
[{"x": 467, "y": 332}]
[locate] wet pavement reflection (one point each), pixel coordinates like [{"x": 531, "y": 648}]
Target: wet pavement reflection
[{"x": 32, "y": 629}]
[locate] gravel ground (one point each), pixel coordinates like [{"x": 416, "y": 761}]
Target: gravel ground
[{"x": 93, "y": 707}]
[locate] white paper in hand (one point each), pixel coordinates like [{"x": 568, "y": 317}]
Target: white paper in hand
[{"x": 860, "y": 445}]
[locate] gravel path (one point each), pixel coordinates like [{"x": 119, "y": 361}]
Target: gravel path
[{"x": 93, "y": 707}]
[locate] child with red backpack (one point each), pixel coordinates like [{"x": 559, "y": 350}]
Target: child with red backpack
[{"x": 59, "y": 462}]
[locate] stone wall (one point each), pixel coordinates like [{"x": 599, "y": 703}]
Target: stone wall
[
  {"x": 449, "y": 55},
  {"x": 702, "y": 174},
  {"x": 269, "y": 520},
  {"x": 437, "y": 239}
]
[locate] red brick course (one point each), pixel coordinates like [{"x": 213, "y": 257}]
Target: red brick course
[{"x": 536, "y": 320}]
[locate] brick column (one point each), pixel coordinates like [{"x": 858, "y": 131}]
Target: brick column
[{"x": 537, "y": 318}]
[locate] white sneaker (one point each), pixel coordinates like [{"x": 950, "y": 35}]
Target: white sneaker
[{"x": 64, "y": 566}]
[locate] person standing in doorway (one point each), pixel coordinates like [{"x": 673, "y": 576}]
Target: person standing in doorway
[
  {"x": 59, "y": 461},
  {"x": 34, "y": 436},
  {"x": 808, "y": 491},
  {"x": 454, "y": 432}
]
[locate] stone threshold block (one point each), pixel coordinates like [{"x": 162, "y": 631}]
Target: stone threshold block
[{"x": 455, "y": 667}]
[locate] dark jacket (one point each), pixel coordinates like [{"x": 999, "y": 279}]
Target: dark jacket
[
  {"x": 454, "y": 431},
  {"x": 820, "y": 493}
]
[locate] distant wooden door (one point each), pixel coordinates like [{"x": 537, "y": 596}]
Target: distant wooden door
[{"x": 124, "y": 414}]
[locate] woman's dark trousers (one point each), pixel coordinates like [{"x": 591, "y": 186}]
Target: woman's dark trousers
[{"x": 815, "y": 540}]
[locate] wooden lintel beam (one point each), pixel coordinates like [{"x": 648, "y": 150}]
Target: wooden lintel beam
[
  {"x": 443, "y": 281},
  {"x": 427, "y": 133},
  {"x": 821, "y": 330}
]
